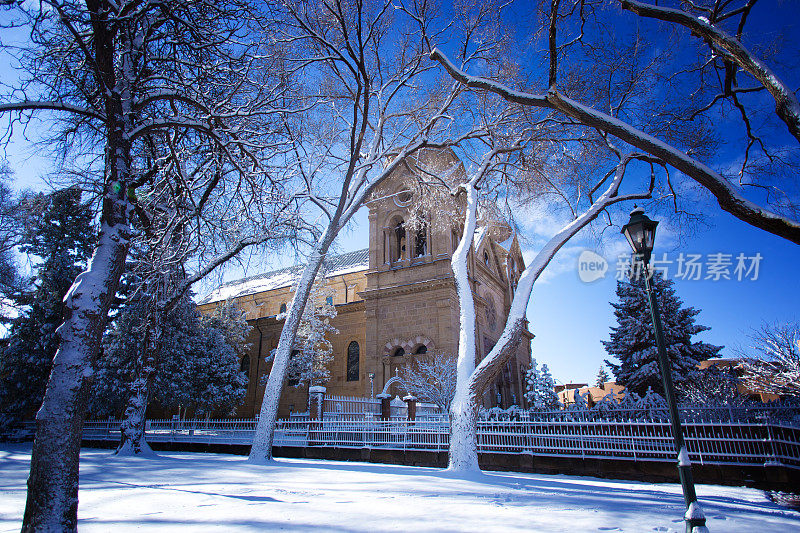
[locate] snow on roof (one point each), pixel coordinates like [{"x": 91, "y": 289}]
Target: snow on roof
[{"x": 336, "y": 265}]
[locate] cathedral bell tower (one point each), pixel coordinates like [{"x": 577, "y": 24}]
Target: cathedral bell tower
[{"x": 410, "y": 300}]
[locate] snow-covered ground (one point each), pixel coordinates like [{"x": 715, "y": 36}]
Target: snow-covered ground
[{"x": 215, "y": 492}]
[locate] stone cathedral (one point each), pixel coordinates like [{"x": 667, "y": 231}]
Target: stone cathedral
[{"x": 395, "y": 300}]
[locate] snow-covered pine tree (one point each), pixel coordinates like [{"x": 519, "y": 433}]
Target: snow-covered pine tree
[
  {"x": 204, "y": 375},
  {"x": 540, "y": 387},
  {"x": 531, "y": 383},
  {"x": 602, "y": 377},
  {"x": 231, "y": 320},
  {"x": 60, "y": 242},
  {"x": 9, "y": 235},
  {"x": 633, "y": 343},
  {"x": 198, "y": 361},
  {"x": 309, "y": 363},
  {"x": 547, "y": 390}
]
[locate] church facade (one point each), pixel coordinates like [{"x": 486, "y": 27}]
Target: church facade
[{"x": 396, "y": 302}]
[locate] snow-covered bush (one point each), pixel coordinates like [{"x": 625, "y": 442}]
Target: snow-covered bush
[{"x": 432, "y": 378}]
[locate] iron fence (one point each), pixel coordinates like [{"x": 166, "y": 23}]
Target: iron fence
[{"x": 709, "y": 442}]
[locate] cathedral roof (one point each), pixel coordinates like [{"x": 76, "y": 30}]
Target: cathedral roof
[{"x": 336, "y": 265}]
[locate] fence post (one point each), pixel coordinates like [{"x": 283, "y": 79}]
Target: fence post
[
  {"x": 386, "y": 405},
  {"x": 411, "y": 407},
  {"x": 316, "y": 402}
]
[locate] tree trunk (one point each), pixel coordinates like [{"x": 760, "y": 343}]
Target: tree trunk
[
  {"x": 52, "y": 503},
  {"x": 463, "y": 453},
  {"x": 261, "y": 450},
  {"x": 132, "y": 438}
]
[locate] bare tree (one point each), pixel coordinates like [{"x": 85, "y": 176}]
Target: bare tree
[
  {"x": 472, "y": 379},
  {"x": 773, "y": 362},
  {"x": 178, "y": 243},
  {"x": 368, "y": 63},
  {"x": 666, "y": 108},
  {"x": 432, "y": 378},
  {"x": 119, "y": 76}
]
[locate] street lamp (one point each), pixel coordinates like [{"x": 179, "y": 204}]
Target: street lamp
[{"x": 641, "y": 232}]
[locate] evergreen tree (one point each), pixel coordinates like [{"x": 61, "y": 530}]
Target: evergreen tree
[
  {"x": 60, "y": 239},
  {"x": 309, "y": 363},
  {"x": 198, "y": 359},
  {"x": 531, "y": 383},
  {"x": 540, "y": 388},
  {"x": 547, "y": 390},
  {"x": 633, "y": 342},
  {"x": 602, "y": 377}
]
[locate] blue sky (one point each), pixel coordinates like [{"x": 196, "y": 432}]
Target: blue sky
[{"x": 570, "y": 317}]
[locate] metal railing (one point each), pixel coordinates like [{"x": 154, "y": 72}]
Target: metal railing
[
  {"x": 351, "y": 405},
  {"x": 709, "y": 442}
]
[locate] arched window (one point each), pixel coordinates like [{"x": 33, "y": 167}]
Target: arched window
[
  {"x": 421, "y": 350},
  {"x": 399, "y": 352},
  {"x": 400, "y": 240},
  {"x": 353, "y": 353},
  {"x": 282, "y": 309},
  {"x": 486, "y": 258},
  {"x": 329, "y": 300},
  {"x": 244, "y": 365}
]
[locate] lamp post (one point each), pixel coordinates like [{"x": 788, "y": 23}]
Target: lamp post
[{"x": 640, "y": 232}]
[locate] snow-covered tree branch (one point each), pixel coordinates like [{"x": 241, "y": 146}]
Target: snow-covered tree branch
[
  {"x": 730, "y": 47},
  {"x": 367, "y": 62},
  {"x": 728, "y": 197},
  {"x": 432, "y": 379}
]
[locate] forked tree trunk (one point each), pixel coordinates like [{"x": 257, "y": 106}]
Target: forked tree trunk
[
  {"x": 463, "y": 451},
  {"x": 471, "y": 381}
]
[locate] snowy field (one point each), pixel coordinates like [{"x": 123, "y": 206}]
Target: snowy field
[{"x": 215, "y": 492}]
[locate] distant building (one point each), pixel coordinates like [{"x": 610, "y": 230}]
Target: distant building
[
  {"x": 566, "y": 393},
  {"x": 396, "y": 302}
]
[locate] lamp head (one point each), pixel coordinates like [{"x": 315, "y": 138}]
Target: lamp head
[{"x": 641, "y": 233}]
